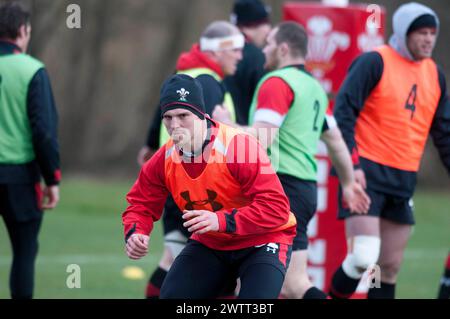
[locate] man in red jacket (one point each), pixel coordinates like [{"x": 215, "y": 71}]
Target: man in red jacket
[
  {"x": 215, "y": 55},
  {"x": 231, "y": 199}
]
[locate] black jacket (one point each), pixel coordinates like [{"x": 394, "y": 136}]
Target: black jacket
[{"x": 242, "y": 84}]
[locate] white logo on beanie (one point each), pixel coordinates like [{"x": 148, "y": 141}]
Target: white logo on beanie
[{"x": 183, "y": 93}]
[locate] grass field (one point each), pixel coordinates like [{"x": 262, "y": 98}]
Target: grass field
[{"x": 86, "y": 230}]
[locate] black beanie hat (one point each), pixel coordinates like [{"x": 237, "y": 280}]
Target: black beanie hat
[
  {"x": 423, "y": 21},
  {"x": 182, "y": 91},
  {"x": 249, "y": 13}
]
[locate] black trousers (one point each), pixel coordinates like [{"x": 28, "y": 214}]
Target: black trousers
[
  {"x": 202, "y": 273},
  {"x": 19, "y": 208}
]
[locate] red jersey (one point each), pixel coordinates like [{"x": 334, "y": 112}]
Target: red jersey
[{"x": 243, "y": 190}]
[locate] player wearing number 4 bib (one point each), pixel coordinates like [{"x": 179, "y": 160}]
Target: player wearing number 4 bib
[
  {"x": 288, "y": 113},
  {"x": 391, "y": 100}
]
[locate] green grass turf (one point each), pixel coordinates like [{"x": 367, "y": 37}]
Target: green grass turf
[{"x": 86, "y": 230}]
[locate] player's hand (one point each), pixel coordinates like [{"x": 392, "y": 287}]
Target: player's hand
[
  {"x": 221, "y": 114},
  {"x": 181, "y": 137},
  {"x": 200, "y": 221},
  {"x": 360, "y": 177},
  {"x": 356, "y": 198},
  {"x": 137, "y": 246},
  {"x": 51, "y": 197},
  {"x": 145, "y": 153}
]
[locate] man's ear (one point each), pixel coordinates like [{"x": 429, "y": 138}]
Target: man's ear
[
  {"x": 22, "y": 32},
  {"x": 284, "y": 48}
]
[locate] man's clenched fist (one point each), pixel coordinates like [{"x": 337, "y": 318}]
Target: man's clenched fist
[{"x": 137, "y": 246}]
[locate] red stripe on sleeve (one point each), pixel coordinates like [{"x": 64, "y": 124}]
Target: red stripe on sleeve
[
  {"x": 39, "y": 195},
  {"x": 57, "y": 175},
  {"x": 355, "y": 156}
]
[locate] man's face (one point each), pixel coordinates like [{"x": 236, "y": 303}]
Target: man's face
[
  {"x": 421, "y": 43},
  {"x": 258, "y": 34},
  {"x": 185, "y": 128},
  {"x": 228, "y": 60},
  {"x": 271, "y": 51}
]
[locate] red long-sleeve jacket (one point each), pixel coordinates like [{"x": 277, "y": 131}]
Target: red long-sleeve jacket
[{"x": 254, "y": 223}]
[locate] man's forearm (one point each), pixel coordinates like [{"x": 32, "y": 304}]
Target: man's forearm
[
  {"x": 339, "y": 155},
  {"x": 342, "y": 163}
]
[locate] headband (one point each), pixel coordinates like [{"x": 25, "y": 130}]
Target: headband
[{"x": 235, "y": 41}]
